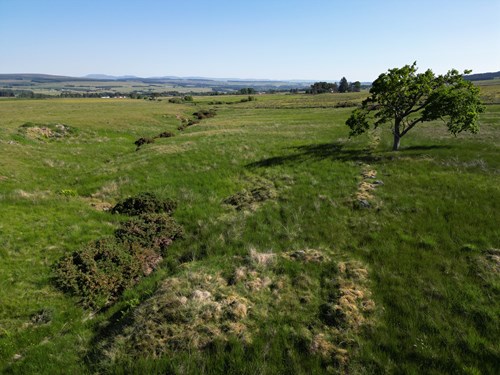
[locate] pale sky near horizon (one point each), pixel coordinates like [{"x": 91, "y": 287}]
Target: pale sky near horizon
[{"x": 267, "y": 39}]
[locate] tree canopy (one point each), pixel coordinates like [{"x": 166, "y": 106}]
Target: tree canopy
[
  {"x": 343, "y": 85},
  {"x": 406, "y": 98}
]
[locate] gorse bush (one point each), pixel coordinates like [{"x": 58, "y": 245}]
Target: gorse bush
[
  {"x": 144, "y": 203},
  {"x": 165, "y": 135},
  {"x": 142, "y": 141},
  {"x": 154, "y": 231},
  {"x": 99, "y": 272},
  {"x": 205, "y": 113}
]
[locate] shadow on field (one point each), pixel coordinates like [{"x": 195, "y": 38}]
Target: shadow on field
[
  {"x": 334, "y": 151},
  {"x": 425, "y": 148},
  {"x": 338, "y": 152}
]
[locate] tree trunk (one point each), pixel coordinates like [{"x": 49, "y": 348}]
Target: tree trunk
[
  {"x": 395, "y": 145},
  {"x": 397, "y": 135}
]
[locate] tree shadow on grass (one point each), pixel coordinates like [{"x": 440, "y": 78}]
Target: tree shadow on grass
[
  {"x": 333, "y": 151},
  {"x": 336, "y": 151},
  {"x": 425, "y": 148}
]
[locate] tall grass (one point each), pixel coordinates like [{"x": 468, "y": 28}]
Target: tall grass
[{"x": 424, "y": 244}]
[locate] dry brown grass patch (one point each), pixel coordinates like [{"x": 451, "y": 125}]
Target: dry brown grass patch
[
  {"x": 306, "y": 255},
  {"x": 262, "y": 259}
]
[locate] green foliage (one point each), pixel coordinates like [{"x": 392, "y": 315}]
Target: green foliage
[
  {"x": 249, "y": 99},
  {"x": 343, "y": 85},
  {"x": 143, "y": 141},
  {"x": 181, "y": 100},
  {"x": 355, "y": 86},
  {"x": 144, "y": 203},
  {"x": 165, "y": 135},
  {"x": 68, "y": 192},
  {"x": 152, "y": 230},
  {"x": 205, "y": 113},
  {"x": 246, "y": 91},
  {"x": 322, "y": 87},
  {"x": 405, "y": 99},
  {"x": 99, "y": 272}
]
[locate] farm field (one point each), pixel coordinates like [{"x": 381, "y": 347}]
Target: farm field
[{"x": 304, "y": 251}]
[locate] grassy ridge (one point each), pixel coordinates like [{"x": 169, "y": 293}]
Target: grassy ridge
[{"x": 424, "y": 245}]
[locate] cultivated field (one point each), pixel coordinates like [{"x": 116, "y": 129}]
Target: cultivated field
[{"x": 303, "y": 251}]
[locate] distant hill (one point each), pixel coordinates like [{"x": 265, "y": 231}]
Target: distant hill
[
  {"x": 107, "y": 77},
  {"x": 38, "y": 78},
  {"x": 482, "y": 76}
]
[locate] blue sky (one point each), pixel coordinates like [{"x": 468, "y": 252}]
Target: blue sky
[{"x": 273, "y": 39}]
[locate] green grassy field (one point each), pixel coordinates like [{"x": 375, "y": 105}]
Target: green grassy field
[{"x": 416, "y": 275}]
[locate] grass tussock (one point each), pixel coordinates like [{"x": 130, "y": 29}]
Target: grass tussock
[
  {"x": 258, "y": 191},
  {"x": 198, "y": 308},
  {"x": 37, "y": 131},
  {"x": 364, "y": 197}
]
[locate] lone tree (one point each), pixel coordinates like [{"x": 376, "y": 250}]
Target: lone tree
[
  {"x": 343, "y": 85},
  {"x": 405, "y": 98}
]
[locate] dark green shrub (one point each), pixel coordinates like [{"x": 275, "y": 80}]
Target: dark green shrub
[
  {"x": 99, "y": 272},
  {"x": 154, "y": 231},
  {"x": 205, "y": 113},
  {"x": 175, "y": 100},
  {"x": 165, "y": 135},
  {"x": 345, "y": 105},
  {"x": 142, "y": 141},
  {"x": 249, "y": 99},
  {"x": 144, "y": 203}
]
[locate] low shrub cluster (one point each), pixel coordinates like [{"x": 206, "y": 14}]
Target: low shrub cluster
[
  {"x": 100, "y": 271},
  {"x": 185, "y": 123},
  {"x": 205, "y": 113},
  {"x": 346, "y": 105},
  {"x": 249, "y": 98},
  {"x": 177, "y": 100},
  {"x": 144, "y": 203},
  {"x": 147, "y": 140},
  {"x": 154, "y": 231},
  {"x": 165, "y": 135},
  {"x": 143, "y": 141},
  {"x": 200, "y": 115}
]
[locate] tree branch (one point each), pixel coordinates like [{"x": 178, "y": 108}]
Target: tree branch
[{"x": 411, "y": 125}]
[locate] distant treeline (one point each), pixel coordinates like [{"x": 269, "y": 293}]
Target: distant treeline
[
  {"x": 29, "y": 94},
  {"x": 342, "y": 86},
  {"x": 482, "y": 76}
]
